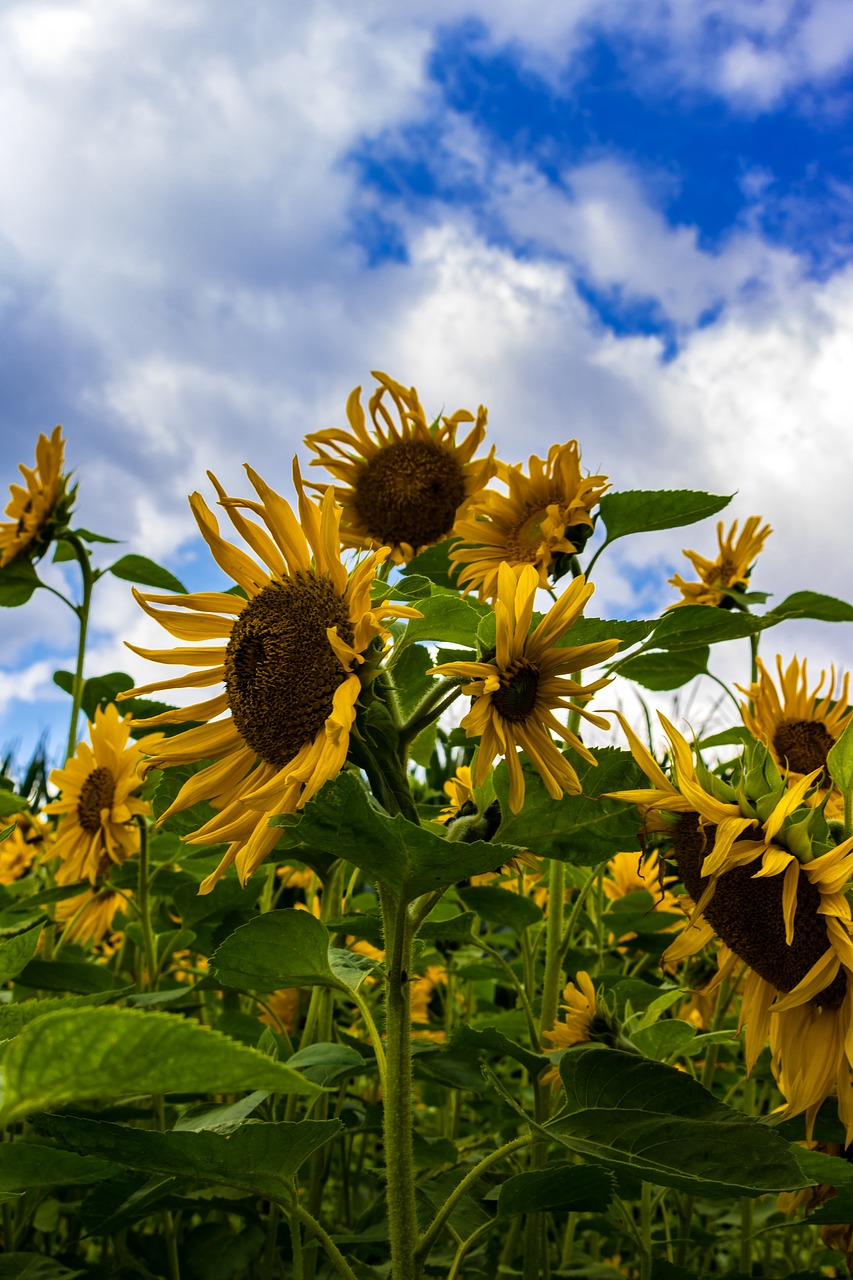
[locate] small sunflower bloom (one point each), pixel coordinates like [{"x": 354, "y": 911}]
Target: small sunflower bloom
[
  {"x": 405, "y": 481},
  {"x": 37, "y": 509},
  {"x": 459, "y": 790},
  {"x": 290, "y": 658},
  {"x": 798, "y": 725},
  {"x": 29, "y": 841},
  {"x": 731, "y": 569},
  {"x": 517, "y": 691},
  {"x": 99, "y": 800},
  {"x": 545, "y": 516},
  {"x": 88, "y": 916},
  {"x": 581, "y": 1011}
]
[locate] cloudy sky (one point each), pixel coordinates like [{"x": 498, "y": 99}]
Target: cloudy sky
[{"x": 629, "y": 224}]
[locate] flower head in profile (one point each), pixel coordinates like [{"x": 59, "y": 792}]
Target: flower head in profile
[
  {"x": 517, "y": 690},
  {"x": 39, "y": 507},
  {"x": 29, "y": 841},
  {"x": 404, "y": 482},
  {"x": 288, "y": 656},
  {"x": 544, "y": 519},
  {"x": 731, "y": 569},
  {"x": 770, "y": 885},
  {"x": 580, "y": 1013},
  {"x": 460, "y": 792},
  {"x": 99, "y": 800},
  {"x": 798, "y": 725},
  {"x": 88, "y": 916}
]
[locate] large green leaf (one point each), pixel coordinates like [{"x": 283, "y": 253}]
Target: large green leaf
[
  {"x": 108, "y": 1053},
  {"x": 575, "y": 1188},
  {"x": 409, "y": 859},
  {"x": 661, "y": 671},
  {"x": 33, "y": 1266},
  {"x": 447, "y": 617},
  {"x": 434, "y": 563},
  {"x": 584, "y": 829},
  {"x": 811, "y": 604},
  {"x": 148, "y": 574},
  {"x": 31, "y": 1164},
  {"x": 641, "y": 510},
  {"x": 662, "y": 1126},
  {"x": 692, "y": 626},
  {"x": 18, "y": 581},
  {"x": 287, "y": 948},
  {"x": 14, "y": 1017},
  {"x": 10, "y": 803},
  {"x": 492, "y": 1043},
  {"x": 592, "y": 630},
  {"x": 501, "y": 906},
  {"x": 16, "y": 953},
  {"x": 256, "y": 1156}
]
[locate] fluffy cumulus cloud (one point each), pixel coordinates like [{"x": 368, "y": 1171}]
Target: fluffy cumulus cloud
[{"x": 194, "y": 271}]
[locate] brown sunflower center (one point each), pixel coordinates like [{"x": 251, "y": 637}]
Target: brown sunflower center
[
  {"x": 96, "y": 793},
  {"x": 516, "y": 697},
  {"x": 526, "y": 537},
  {"x": 410, "y": 492},
  {"x": 803, "y": 744},
  {"x": 281, "y": 673},
  {"x": 747, "y": 915}
]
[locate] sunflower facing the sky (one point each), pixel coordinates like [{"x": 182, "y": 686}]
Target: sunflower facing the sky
[
  {"x": 772, "y": 891},
  {"x": 798, "y": 726},
  {"x": 35, "y": 510},
  {"x": 288, "y": 657},
  {"x": 517, "y": 691},
  {"x": 406, "y": 480},
  {"x": 99, "y": 800},
  {"x": 729, "y": 572},
  {"x": 545, "y": 515}
]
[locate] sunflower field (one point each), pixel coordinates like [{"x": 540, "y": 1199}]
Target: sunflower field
[{"x": 377, "y": 935}]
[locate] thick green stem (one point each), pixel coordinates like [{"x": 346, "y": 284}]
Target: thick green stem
[
  {"x": 440, "y": 697},
  {"x": 82, "y": 612},
  {"x": 397, "y": 1114},
  {"x": 553, "y": 980}
]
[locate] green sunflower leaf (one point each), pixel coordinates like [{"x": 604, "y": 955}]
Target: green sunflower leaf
[
  {"x": 660, "y": 671},
  {"x": 571, "y": 1188},
  {"x": 100, "y": 690},
  {"x": 592, "y": 630},
  {"x": 33, "y": 1266},
  {"x": 693, "y": 626},
  {"x": 17, "y": 952},
  {"x": 257, "y": 1156},
  {"x": 410, "y": 860},
  {"x": 642, "y": 510},
  {"x": 287, "y": 948},
  {"x": 501, "y": 907},
  {"x": 447, "y": 617},
  {"x": 586, "y": 829},
  {"x": 148, "y": 574},
  {"x": 30, "y": 1164},
  {"x": 434, "y": 563},
  {"x": 10, "y": 803},
  {"x": 811, "y": 604},
  {"x": 18, "y": 581},
  {"x": 662, "y": 1126},
  {"x": 72, "y": 1056},
  {"x": 839, "y": 761}
]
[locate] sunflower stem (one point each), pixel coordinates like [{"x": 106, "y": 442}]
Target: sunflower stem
[
  {"x": 397, "y": 1115},
  {"x": 462, "y": 1188},
  {"x": 442, "y": 695},
  {"x": 552, "y": 982},
  {"x": 82, "y": 612},
  {"x": 144, "y": 882}
]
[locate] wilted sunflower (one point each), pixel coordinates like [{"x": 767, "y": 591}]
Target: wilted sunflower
[
  {"x": 799, "y": 727},
  {"x": 786, "y": 918},
  {"x": 545, "y": 515},
  {"x": 88, "y": 916},
  {"x": 99, "y": 799},
  {"x": 288, "y": 656},
  {"x": 729, "y": 572},
  {"x": 407, "y": 481},
  {"x": 518, "y": 689},
  {"x": 36, "y": 510}
]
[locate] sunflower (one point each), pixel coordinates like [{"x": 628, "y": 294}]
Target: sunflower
[
  {"x": 799, "y": 727},
  {"x": 99, "y": 799},
  {"x": 88, "y": 916},
  {"x": 731, "y": 569},
  {"x": 459, "y": 790},
  {"x": 581, "y": 1013},
  {"x": 517, "y": 690},
  {"x": 407, "y": 481},
  {"x": 288, "y": 654},
  {"x": 633, "y": 873},
  {"x": 28, "y": 841},
  {"x": 772, "y": 892},
  {"x": 544, "y": 517},
  {"x": 37, "y": 510}
]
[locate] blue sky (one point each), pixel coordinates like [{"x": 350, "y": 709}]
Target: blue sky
[{"x": 629, "y": 225}]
